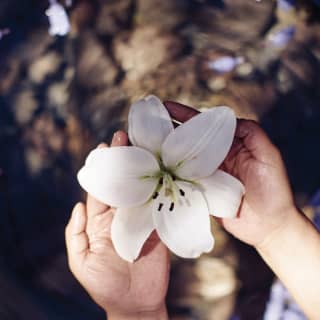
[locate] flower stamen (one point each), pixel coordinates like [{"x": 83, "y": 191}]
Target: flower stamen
[
  {"x": 160, "y": 206},
  {"x": 182, "y": 193},
  {"x": 171, "y": 206}
]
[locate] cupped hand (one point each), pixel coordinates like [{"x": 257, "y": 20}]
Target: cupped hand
[
  {"x": 257, "y": 163},
  {"x": 124, "y": 290}
]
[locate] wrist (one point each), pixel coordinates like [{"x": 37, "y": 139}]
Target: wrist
[
  {"x": 293, "y": 228},
  {"x": 293, "y": 253},
  {"x": 157, "y": 314}
]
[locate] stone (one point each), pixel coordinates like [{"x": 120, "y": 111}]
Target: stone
[
  {"x": 58, "y": 93},
  {"x": 34, "y": 46},
  {"x": 95, "y": 68},
  {"x": 219, "y": 282},
  {"x": 9, "y": 72},
  {"x": 145, "y": 50},
  {"x": 24, "y": 106},
  {"x": 230, "y": 27},
  {"x": 104, "y": 113},
  {"x": 164, "y": 15},
  {"x": 44, "y": 66},
  {"x": 177, "y": 80},
  {"x": 81, "y": 16},
  {"x": 45, "y": 141},
  {"x": 113, "y": 17}
]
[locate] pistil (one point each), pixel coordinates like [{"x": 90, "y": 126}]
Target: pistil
[{"x": 168, "y": 180}]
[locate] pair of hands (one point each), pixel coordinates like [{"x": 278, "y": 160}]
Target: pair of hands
[{"x": 137, "y": 291}]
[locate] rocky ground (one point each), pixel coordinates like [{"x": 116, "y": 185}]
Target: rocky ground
[{"x": 60, "y": 96}]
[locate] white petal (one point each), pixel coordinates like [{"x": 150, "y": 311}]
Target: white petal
[
  {"x": 149, "y": 124},
  {"x": 223, "y": 193},
  {"x": 58, "y": 19},
  {"x": 186, "y": 229},
  {"x": 199, "y": 145},
  {"x": 130, "y": 228},
  {"x": 113, "y": 175}
]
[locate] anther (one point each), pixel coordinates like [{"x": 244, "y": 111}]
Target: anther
[
  {"x": 182, "y": 192},
  {"x": 161, "y": 181},
  {"x": 171, "y": 206},
  {"x": 174, "y": 178},
  {"x": 160, "y": 206},
  {"x": 155, "y": 195}
]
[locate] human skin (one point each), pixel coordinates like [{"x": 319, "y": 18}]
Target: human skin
[
  {"x": 267, "y": 220},
  {"x": 124, "y": 290}
]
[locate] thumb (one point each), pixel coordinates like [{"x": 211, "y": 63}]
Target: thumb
[{"x": 76, "y": 238}]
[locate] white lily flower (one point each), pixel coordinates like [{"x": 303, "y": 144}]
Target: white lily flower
[
  {"x": 58, "y": 19},
  {"x": 167, "y": 181}
]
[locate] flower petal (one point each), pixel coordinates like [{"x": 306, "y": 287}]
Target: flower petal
[
  {"x": 196, "y": 148},
  {"x": 223, "y": 193},
  {"x": 149, "y": 124},
  {"x": 186, "y": 228},
  {"x": 130, "y": 228},
  {"x": 114, "y": 175}
]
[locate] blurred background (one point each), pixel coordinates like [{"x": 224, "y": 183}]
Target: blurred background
[{"x": 60, "y": 95}]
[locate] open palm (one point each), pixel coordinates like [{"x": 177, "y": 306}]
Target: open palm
[{"x": 119, "y": 287}]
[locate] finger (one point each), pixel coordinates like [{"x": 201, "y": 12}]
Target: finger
[
  {"x": 76, "y": 238},
  {"x": 120, "y": 138},
  {"x": 94, "y": 206},
  {"x": 179, "y": 111},
  {"x": 256, "y": 141}
]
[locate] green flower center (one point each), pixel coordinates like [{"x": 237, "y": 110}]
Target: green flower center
[{"x": 167, "y": 179}]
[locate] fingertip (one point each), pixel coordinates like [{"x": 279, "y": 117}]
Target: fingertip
[
  {"x": 77, "y": 217},
  {"x": 120, "y": 138},
  {"x": 256, "y": 140},
  {"x": 248, "y": 127},
  {"x": 102, "y": 145},
  {"x": 180, "y": 112},
  {"x": 74, "y": 223},
  {"x": 78, "y": 206}
]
